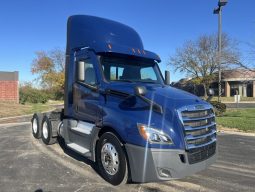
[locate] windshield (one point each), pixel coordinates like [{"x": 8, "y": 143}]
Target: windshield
[{"x": 129, "y": 70}]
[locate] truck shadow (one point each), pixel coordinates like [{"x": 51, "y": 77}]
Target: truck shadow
[{"x": 76, "y": 156}]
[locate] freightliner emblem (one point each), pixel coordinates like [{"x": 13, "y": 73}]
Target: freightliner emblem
[{"x": 199, "y": 107}]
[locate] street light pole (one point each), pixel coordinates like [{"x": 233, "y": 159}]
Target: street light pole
[
  {"x": 218, "y": 11},
  {"x": 219, "y": 53}
]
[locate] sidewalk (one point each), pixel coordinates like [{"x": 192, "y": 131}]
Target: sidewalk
[
  {"x": 239, "y": 102},
  {"x": 240, "y": 105}
]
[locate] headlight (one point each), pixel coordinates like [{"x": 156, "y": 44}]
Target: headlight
[{"x": 153, "y": 135}]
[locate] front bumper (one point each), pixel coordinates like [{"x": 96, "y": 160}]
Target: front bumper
[{"x": 150, "y": 164}]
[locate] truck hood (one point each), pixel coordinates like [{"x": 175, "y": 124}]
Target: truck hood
[
  {"x": 160, "y": 94},
  {"x": 170, "y": 100}
]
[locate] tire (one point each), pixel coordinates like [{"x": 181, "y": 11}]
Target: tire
[
  {"x": 47, "y": 131},
  {"x": 36, "y": 123},
  {"x": 109, "y": 149}
]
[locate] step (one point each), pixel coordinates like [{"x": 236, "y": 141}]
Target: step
[
  {"x": 78, "y": 148},
  {"x": 83, "y": 127}
]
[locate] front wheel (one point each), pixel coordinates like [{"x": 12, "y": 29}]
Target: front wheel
[{"x": 111, "y": 159}]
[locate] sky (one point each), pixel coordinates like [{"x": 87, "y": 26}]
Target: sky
[{"x": 27, "y": 26}]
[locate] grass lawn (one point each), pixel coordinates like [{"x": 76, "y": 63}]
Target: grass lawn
[
  {"x": 242, "y": 119},
  {"x": 11, "y": 109}
]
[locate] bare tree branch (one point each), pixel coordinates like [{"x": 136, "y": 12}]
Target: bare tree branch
[{"x": 199, "y": 58}]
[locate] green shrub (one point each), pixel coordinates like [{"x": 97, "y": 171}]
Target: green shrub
[
  {"x": 55, "y": 93},
  {"x": 219, "y": 108},
  {"x": 28, "y": 94}
]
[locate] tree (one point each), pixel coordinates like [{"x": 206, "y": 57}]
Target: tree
[
  {"x": 250, "y": 57},
  {"x": 50, "y": 66},
  {"x": 199, "y": 58}
]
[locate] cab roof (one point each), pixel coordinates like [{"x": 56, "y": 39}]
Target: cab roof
[{"x": 104, "y": 36}]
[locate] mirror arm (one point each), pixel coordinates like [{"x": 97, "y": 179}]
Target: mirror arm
[
  {"x": 93, "y": 88},
  {"x": 156, "y": 107},
  {"x": 209, "y": 98}
]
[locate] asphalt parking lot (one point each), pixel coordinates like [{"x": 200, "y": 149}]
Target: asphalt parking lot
[{"x": 26, "y": 164}]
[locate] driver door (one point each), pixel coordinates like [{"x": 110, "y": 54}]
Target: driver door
[{"x": 85, "y": 95}]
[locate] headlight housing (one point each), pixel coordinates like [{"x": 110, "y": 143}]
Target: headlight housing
[{"x": 153, "y": 135}]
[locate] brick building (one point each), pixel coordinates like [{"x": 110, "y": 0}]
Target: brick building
[{"x": 9, "y": 86}]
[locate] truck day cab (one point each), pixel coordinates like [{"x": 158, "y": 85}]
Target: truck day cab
[{"x": 119, "y": 111}]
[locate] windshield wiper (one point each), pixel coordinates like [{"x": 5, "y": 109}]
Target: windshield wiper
[
  {"x": 125, "y": 80},
  {"x": 130, "y": 81},
  {"x": 153, "y": 82}
]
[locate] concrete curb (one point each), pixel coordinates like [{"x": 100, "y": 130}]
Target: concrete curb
[
  {"x": 19, "y": 119},
  {"x": 16, "y": 119},
  {"x": 14, "y": 124},
  {"x": 239, "y": 102},
  {"x": 236, "y": 133}
]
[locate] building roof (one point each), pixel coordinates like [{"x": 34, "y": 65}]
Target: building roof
[
  {"x": 238, "y": 75},
  {"x": 9, "y": 76}
]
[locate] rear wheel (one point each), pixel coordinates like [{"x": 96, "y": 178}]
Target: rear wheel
[
  {"x": 111, "y": 159},
  {"x": 36, "y": 125},
  {"x": 47, "y": 131}
]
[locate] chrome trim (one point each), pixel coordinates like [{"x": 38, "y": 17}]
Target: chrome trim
[
  {"x": 191, "y": 137},
  {"x": 197, "y": 118},
  {"x": 194, "y": 114},
  {"x": 192, "y": 146},
  {"x": 189, "y": 128},
  {"x": 191, "y": 108}
]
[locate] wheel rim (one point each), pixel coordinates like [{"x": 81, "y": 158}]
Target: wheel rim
[
  {"x": 34, "y": 125},
  {"x": 45, "y": 130},
  {"x": 110, "y": 158}
]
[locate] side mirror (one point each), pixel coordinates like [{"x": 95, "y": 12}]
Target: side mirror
[
  {"x": 167, "y": 77},
  {"x": 81, "y": 71},
  {"x": 140, "y": 90},
  {"x": 210, "y": 92}
]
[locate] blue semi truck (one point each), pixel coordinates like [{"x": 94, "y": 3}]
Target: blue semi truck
[{"x": 121, "y": 113}]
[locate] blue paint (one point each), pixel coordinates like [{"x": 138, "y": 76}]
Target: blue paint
[
  {"x": 89, "y": 38},
  {"x": 103, "y": 35}
]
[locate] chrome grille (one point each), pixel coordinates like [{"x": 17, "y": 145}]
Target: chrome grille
[
  {"x": 199, "y": 125},
  {"x": 195, "y": 114}
]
